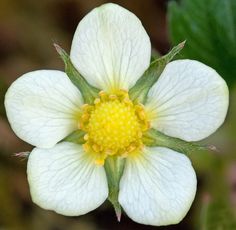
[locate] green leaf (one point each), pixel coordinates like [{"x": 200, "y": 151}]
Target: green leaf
[
  {"x": 88, "y": 92},
  {"x": 155, "y": 138},
  {"x": 114, "y": 167},
  {"x": 210, "y": 30},
  {"x": 140, "y": 90}
]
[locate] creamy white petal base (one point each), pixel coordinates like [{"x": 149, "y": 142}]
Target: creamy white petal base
[
  {"x": 42, "y": 107},
  {"x": 189, "y": 100},
  {"x": 66, "y": 180},
  {"x": 157, "y": 187},
  {"x": 110, "y": 48}
]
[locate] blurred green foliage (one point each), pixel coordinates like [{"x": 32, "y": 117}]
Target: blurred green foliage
[
  {"x": 210, "y": 30},
  {"x": 219, "y": 216}
]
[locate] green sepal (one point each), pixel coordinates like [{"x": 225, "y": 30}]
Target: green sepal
[
  {"x": 155, "y": 55},
  {"x": 76, "y": 137},
  {"x": 155, "y": 138},
  {"x": 140, "y": 90},
  {"x": 88, "y": 92},
  {"x": 114, "y": 167}
]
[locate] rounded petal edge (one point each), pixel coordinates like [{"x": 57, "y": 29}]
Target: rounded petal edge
[
  {"x": 110, "y": 48},
  {"x": 157, "y": 187},
  {"x": 64, "y": 179},
  {"x": 189, "y": 100},
  {"x": 43, "y": 107}
]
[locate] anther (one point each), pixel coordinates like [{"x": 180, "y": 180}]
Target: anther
[
  {"x": 86, "y": 137},
  {"x": 109, "y": 152},
  {"x": 139, "y": 107},
  {"x": 127, "y": 101},
  {"x": 142, "y": 115},
  {"x": 85, "y": 117},
  {"x": 112, "y": 97},
  {"x": 95, "y": 148},
  {"x": 123, "y": 91},
  {"x": 86, "y": 147},
  {"x": 97, "y": 101},
  {"x": 124, "y": 155},
  {"x": 100, "y": 161},
  {"x": 87, "y": 108},
  {"x": 102, "y": 95},
  {"x": 140, "y": 134},
  {"x": 131, "y": 148}
]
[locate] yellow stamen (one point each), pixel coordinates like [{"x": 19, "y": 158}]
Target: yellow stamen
[
  {"x": 97, "y": 101},
  {"x": 86, "y": 137},
  {"x": 142, "y": 115},
  {"x": 114, "y": 126},
  {"x": 96, "y": 148},
  {"x": 100, "y": 161},
  {"x": 112, "y": 97}
]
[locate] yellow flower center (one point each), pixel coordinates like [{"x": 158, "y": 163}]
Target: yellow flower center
[{"x": 113, "y": 125}]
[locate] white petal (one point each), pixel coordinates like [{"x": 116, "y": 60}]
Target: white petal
[
  {"x": 189, "y": 101},
  {"x": 157, "y": 187},
  {"x": 66, "y": 180},
  {"x": 111, "y": 49},
  {"x": 42, "y": 107}
]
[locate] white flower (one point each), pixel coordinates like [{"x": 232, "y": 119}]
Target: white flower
[{"x": 112, "y": 50}]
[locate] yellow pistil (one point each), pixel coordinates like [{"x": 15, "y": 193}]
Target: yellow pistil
[{"x": 113, "y": 126}]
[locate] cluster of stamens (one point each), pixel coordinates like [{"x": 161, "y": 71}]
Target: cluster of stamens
[{"x": 114, "y": 126}]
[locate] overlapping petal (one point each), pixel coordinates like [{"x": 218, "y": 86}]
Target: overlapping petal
[
  {"x": 110, "y": 48},
  {"x": 157, "y": 187},
  {"x": 66, "y": 180},
  {"x": 189, "y": 100},
  {"x": 43, "y": 107}
]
